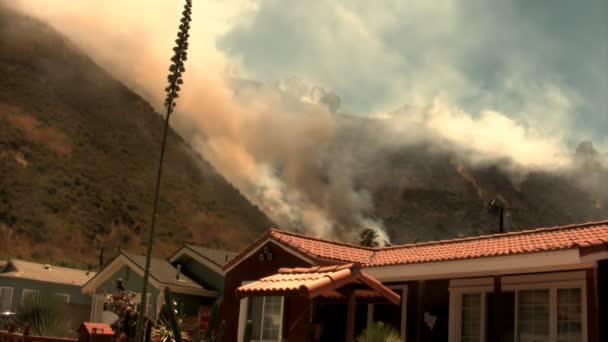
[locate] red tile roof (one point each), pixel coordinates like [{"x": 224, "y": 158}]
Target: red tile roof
[
  {"x": 318, "y": 281},
  {"x": 587, "y": 237}
]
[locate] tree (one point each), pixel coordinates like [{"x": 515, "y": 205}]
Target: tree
[{"x": 368, "y": 238}]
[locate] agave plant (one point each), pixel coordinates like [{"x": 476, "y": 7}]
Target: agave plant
[
  {"x": 175, "y": 80},
  {"x": 379, "y": 332},
  {"x": 171, "y": 321},
  {"x": 45, "y": 314},
  {"x": 170, "y": 325}
]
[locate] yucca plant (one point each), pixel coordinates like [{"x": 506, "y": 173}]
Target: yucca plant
[
  {"x": 45, "y": 313},
  {"x": 176, "y": 70},
  {"x": 379, "y": 332}
]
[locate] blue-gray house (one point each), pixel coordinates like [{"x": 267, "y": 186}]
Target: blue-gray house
[
  {"x": 193, "y": 274},
  {"x": 20, "y": 278}
]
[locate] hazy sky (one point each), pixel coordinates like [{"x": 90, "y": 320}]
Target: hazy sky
[{"x": 541, "y": 62}]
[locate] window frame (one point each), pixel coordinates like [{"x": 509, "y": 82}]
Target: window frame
[
  {"x": 262, "y": 339},
  {"x": 546, "y": 281},
  {"x": 11, "y": 297},
  {"x": 65, "y": 296},
  {"x": 26, "y": 292},
  {"x": 244, "y": 306}
]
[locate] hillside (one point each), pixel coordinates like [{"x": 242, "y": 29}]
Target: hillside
[
  {"x": 434, "y": 192},
  {"x": 78, "y": 154}
]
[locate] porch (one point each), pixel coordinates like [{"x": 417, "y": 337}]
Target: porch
[{"x": 310, "y": 304}]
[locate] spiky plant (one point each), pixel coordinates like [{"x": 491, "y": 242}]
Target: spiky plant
[
  {"x": 171, "y": 320},
  {"x": 46, "y": 314},
  {"x": 176, "y": 70},
  {"x": 379, "y": 332}
]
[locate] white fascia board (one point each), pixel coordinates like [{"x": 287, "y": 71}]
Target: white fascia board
[
  {"x": 199, "y": 258},
  {"x": 479, "y": 267},
  {"x": 115, "y": 266},
  {"x": 192, "y": 291}
]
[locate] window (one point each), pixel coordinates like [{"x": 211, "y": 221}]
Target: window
[
  {"x": 470, "y": 330},
  {"x": 266, "y": 316},
  {"x": 64, "y": 297},
  {"x": 6, "y": 299},
  {"x": 27, "y": 293},
  {"x": 569, "y": 315},
  {"x": 533, "y": 308},
  {"x": 533, "y": 316}
]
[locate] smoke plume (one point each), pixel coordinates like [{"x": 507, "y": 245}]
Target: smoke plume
[{"x": 285, "y": 145}]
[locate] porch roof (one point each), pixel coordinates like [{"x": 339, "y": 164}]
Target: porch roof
[{"x": 319, "y": 282}]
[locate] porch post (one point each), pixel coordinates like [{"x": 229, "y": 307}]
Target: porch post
[
  {"x": 419, "y": 313},
  {"x": 350, "y": 317},
  {"x": 592, "y": 305},
  {"x": 496, "y": 334}
]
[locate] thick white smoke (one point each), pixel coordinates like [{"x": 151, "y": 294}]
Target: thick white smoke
[{"x": 275, "y": 142}]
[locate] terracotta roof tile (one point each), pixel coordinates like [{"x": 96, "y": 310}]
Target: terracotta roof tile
[
  {"x": 582, "y": 236},
  {"x": 316, "y": 281}
]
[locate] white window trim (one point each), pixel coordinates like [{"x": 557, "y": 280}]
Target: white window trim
[
  {"x": 280, "y": 322},
  {"x": 27, "y": 292},
  {"x": 65, "y": 296},
  {"x": 549, "y": 281},
  {"x": 11, "y": 290},
  {"x": 244, "y": 310}
]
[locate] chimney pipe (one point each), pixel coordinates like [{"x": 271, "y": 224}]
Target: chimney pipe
[
  {"x": 501, "y": 224},
  {"x": 101, "y": 258}
]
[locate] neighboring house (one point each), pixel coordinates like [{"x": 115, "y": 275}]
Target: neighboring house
[
  {"x": 190, "y": 295},
  {"x": 548, "y": 284},
  {"x": 203, "y": 265},
  {"x": 19, "y": 278}
]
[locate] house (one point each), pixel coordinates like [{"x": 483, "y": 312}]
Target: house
[
  {"x": 547, "y": 284},
  {"x": 19, "y": 278},
  {"x": 193, "y": 274},
  {"x": 203, "y": 265}
]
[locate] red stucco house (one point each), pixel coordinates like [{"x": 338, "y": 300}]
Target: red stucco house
[{"x": 547, "y": 284}]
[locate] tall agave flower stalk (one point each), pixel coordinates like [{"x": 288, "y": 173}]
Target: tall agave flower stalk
[{"x": 174, "y": 79}]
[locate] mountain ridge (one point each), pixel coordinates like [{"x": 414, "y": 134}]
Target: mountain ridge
[{"x": 78, "y": 153}]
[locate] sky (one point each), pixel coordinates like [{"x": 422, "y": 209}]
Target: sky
[
  {"x": 524, "y": 80},
  {"x": 543, "y": 63}
]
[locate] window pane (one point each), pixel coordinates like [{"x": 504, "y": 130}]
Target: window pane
[
  {"x": 569, "y": 315},
  {"x": 470, "y": 329},
  {"x": 533, "y": 316},
  {"x": 6, "y": 298},
  {"x": 255, "y": 315},
  {"x": 271, "y": 321}
]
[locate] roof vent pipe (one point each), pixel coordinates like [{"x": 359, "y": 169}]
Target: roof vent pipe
[{"x": 179, "y": 271}]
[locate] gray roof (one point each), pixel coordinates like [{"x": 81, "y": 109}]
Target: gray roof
[
  {"x": 162, "y": 271},
  {"x": 217, "y": 256},
  {"x": 48, "y": 273}
]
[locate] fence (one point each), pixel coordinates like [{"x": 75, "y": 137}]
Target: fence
[{"x": 6, "y": 336}]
